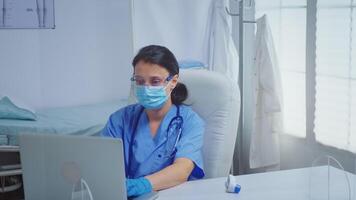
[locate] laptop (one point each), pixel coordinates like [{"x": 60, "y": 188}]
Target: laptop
[{"x": 73, "y": 168}]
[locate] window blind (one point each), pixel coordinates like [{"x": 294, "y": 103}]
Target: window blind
[
  {"x": 335, "y": 66},
  {"x": 287, "y": 19},
  {"x": 335, "y": 114}
]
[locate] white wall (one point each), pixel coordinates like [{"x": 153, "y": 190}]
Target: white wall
[
  {"x": 20, "y": 65},
  {"x": 86, "y": 59}
]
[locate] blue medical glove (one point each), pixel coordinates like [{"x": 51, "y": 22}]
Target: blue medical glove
[{"x": 138, "y": 187}]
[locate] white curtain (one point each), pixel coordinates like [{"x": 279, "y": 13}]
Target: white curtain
[
  {"x": 191, "y": 29},
  {"x": 180, "y": 25},
  {"x": 223, "y": 56}
]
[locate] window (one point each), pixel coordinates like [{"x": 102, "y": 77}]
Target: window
[
  {"x": 335, "y": 67},
  {"x": 335, "y": 74},
  {"x": 287, "y": 19}
]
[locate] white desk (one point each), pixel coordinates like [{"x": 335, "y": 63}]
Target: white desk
[{"x": 280, "y": 185}]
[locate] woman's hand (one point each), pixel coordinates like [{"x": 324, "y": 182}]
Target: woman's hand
[{"x": 138, "y": 187}]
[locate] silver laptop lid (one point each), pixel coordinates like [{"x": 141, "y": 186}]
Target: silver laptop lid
[{"x": 68, "y": 167}]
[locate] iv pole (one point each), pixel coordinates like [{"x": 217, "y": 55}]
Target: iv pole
[{"x": 241, "y": 72}]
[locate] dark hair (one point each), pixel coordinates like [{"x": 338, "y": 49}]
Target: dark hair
[{"x": 163, "y": 57}]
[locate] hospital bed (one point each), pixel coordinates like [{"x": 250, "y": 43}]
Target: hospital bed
[{"x": 77, "y": 120}]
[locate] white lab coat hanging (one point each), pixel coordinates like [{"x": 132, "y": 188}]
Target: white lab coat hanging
[
  {"x": 222, "y": 53},
  {"x": 267, "y": 116}
]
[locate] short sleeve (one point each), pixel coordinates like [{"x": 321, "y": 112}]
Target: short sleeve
[
  {"x": 114, "y": 126},
  {"x": 191, "y": 143}
]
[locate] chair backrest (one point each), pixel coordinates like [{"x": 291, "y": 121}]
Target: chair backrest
[{"x": 217, "y": 100}]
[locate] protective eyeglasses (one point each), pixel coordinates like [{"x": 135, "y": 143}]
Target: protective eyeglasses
[{"x": 153, "y": 81}]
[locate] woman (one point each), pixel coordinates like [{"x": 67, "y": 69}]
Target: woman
[{"x": 162, "y": 137}]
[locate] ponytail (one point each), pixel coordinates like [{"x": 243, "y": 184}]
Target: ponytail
[{"x": 179, "y": 94}]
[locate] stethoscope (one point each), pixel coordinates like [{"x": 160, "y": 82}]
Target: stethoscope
[{"x": 175, "y": 124}]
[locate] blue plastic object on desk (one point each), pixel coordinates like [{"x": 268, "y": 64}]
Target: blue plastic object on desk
[{"x": 231, "y": 185}]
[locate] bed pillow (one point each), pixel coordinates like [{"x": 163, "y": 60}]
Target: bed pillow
[
  {"x": 191, "y": 64},
  {"x": 18, "y": 102},
  {"x": 8, "y": 110}
]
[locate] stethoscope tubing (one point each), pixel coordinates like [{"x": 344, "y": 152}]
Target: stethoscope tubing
[{"x": 178, "y": 117}]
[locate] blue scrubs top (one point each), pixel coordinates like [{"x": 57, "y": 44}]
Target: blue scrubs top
[{"x": 149, "y": 153}]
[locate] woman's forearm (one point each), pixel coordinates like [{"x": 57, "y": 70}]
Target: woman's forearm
[{"x": 172, "y": 175}]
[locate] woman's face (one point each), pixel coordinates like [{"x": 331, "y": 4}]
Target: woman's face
[{"x": 154, "y": 75}]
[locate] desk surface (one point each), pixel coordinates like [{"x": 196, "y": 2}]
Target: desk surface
[{"x": 279, "y": 185}]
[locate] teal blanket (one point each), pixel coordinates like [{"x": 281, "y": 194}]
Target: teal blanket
[{"x": 79, "y": 120}]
